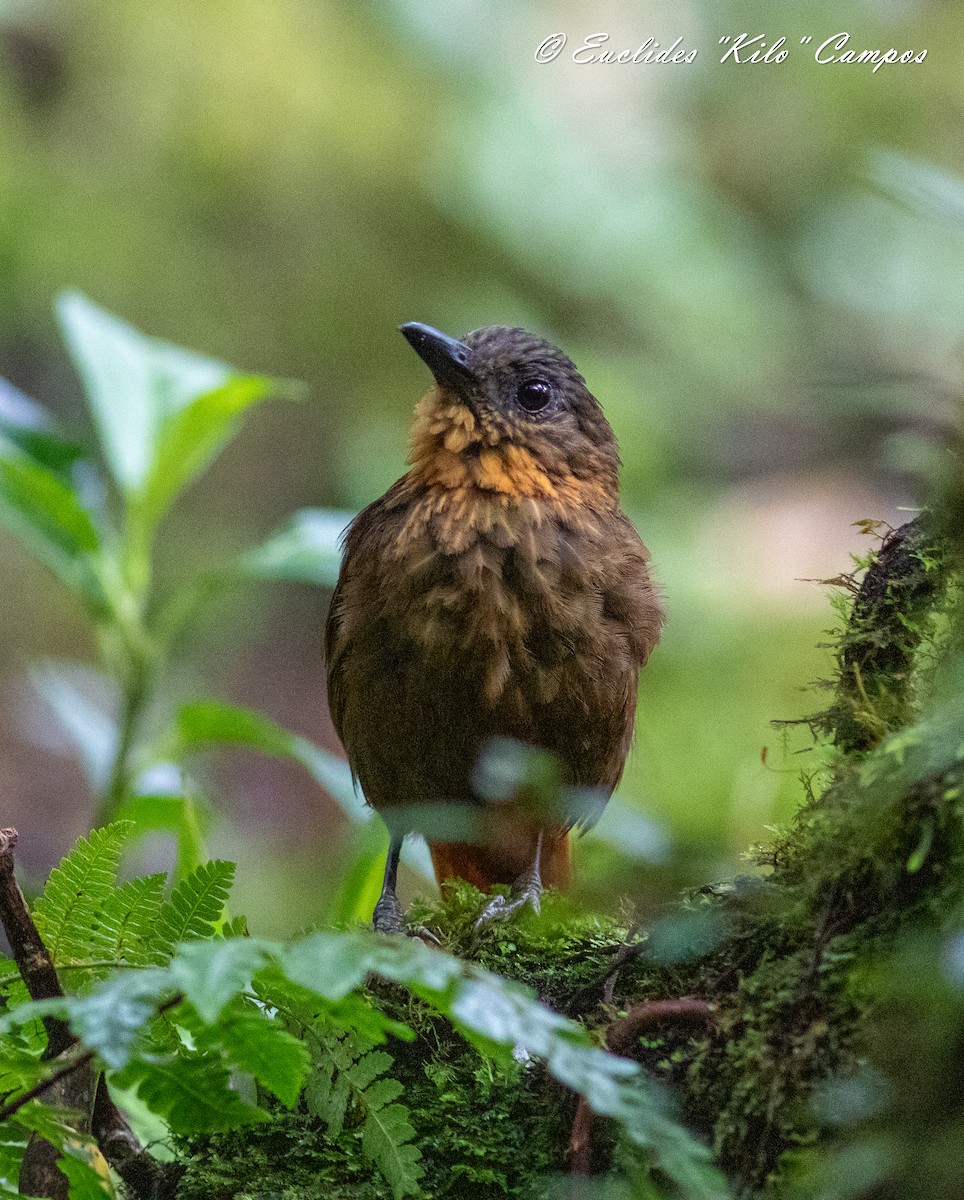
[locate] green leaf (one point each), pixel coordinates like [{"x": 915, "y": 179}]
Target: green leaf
[
  {"x": 126, "y": 930},
  {"x": 334, "y": 964},
  {"x": 211, "y": 974},
  {"x": 349, "y": 1072},
  {"x": 169, "y": 813},
  {"x": 162, "y": 413},
  {"x": 494, "y": 1012},
  {"x": 77, "y": 892},
  {"x": 32, "y": 1010},
  {"x": 132, "y": 382},
  {"x": 192, "y": 1094},
  {"x": 195, "y": 906},
  {"x": 258, "y": 1044},
  {"x": 32, "y": 430},
  {"x": 190, "y": 438},
  {"x": 352, "y": 898},
  {"x": 50, "y": 520},
  {"x": 210, "y": 723},
  {"x": 327, "y": 1096},
  {"x": 13, "y": 1142},
  {"x": 386, "y": 1141},
  {"x": 306, "y": 550},
  {"x": 79, "y": 697},
  {"x": 111, "y": 1018},
  {"x": 20, "y": 1068},
  {"x": 87, "y": 1171},
  {"x": 920, "y": 852}
]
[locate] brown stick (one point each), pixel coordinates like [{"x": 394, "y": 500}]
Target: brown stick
[
  {"x": 620, "y": 1038},
  {"x": 14, "y": 1106},
  {"x": 32, "y": 957},
  {"x": 70, "y": 1087},
  {"x": 73, "y": 1084},
  {"x": 144, "y": 1175}
]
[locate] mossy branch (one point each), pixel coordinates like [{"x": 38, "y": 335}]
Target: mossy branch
[{"x": 888, "y": 622}]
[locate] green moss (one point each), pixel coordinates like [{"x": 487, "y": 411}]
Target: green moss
[
  {"x": 484, "y": 1128},
  {"x": 792, "y": 960}
]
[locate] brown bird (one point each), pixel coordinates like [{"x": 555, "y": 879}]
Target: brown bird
[{"x": 495, "y": 590}]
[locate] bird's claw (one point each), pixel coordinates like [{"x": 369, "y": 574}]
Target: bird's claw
[
  {"x": 501, "y": 908},
  {"x": 389, "y": 918}
]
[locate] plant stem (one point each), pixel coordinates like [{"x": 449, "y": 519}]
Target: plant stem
[{"x": 136, "y": 692}]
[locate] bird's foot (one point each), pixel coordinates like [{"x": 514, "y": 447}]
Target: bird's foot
[
  {"x": 526, "y": 891},
  {"x": 388, "y": 916}
]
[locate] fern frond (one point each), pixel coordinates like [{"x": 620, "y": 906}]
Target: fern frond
[
  {"x": 77, "y": 892},
  {"x": 127, "y": 926},
  {"x": 195, "y": 906},
  {"x": 350, "y": 1073},
  {"x": 259, "y": 1044},
  {"x": 386, "y": 1141},
  {"x": 236, "y": 927}
]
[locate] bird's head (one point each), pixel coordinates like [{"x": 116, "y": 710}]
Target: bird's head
[{"x": 509, "y": 413}]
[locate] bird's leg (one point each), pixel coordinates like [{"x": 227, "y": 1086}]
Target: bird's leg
[
  {"x": 526, "y": 890},
  {"x": 388, "y": 917}
]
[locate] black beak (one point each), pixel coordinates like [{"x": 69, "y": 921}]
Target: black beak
[{"x": 446, "y": 357}]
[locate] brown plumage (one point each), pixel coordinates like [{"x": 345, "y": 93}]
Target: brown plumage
[{"x": 496, "y": 590}]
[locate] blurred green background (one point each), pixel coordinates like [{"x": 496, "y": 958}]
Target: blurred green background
[{"x": 758, "y": 268}]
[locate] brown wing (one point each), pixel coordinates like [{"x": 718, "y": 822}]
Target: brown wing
[{"x": 360, "y": 565}]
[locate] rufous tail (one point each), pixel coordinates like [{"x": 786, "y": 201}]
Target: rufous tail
[{"x": 485, "y": 867}]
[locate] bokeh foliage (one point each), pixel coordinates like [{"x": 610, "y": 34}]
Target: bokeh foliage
[{"x": 757, "y": 268}]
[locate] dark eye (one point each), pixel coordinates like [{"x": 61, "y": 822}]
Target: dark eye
[{"x": 534, "y": 395}]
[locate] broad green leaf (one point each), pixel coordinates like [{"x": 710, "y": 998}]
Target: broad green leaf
[
  {"x": 334, "y": 964},
  {"x": 32, "y": 429},
  {"x": 48, "y": 517},
  {"x": 132, "y": 382},
  {"x": 189, "y": 439},
  {"x": 212, "y": 973},
  {"x": 32, "y": 1010},
  {"x": 81, "y": 700},
  {"x": 162, "y": 413},
  {"x": 192, "y": 1094},
  {"x": 179, "y": 814},
  {"x": 110, "y": 1018},
  {"x": 353, "y": 897},
  {"x": 209, "y": 723},
  {"x": 305, "y": 550},
  {"x": 87, "y": 1171}
]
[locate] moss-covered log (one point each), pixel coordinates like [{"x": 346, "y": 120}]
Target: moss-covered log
[{"x": 793, "y": 960}]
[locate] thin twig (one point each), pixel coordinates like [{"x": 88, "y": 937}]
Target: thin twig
[
  {"x": 628, "y": 950},
  {"x": 13, "y": 1106},
  {"x": 620, "y": 1038}
]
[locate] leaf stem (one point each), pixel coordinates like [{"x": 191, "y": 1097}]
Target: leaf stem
[{"x": 136, "y": 691}]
